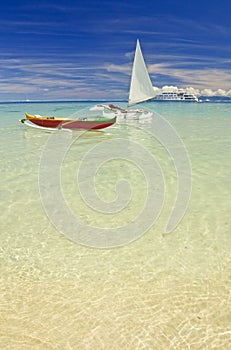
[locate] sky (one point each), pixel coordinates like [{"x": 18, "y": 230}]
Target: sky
[{"x": 58, "y": 50}]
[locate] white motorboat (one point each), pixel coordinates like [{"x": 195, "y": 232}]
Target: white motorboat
[{"x": 176, "y": 96}]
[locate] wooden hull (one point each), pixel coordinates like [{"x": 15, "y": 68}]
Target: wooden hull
[{"x": 87, "y": 124}]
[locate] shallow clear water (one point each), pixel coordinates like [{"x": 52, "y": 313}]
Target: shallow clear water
[{"x": 161, "y": 291}]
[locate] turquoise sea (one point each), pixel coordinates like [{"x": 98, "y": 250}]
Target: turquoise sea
[{"x": 157, "y": 291}]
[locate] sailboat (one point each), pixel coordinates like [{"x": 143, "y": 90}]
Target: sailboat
[{"x": 141, "y": 88}]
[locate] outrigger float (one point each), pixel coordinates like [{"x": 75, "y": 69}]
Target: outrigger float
[{"x": 87, "y": 123}]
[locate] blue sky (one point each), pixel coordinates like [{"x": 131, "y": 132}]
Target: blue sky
[{"x": 84, "y": 49}]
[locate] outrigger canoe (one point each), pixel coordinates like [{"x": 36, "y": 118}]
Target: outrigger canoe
[{"x": 87, "y": 123}]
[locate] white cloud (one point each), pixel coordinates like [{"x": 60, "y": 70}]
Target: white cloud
[
  {"x": 171, "y": 88},
  {"x": 118, "y": 68},
  {"x": 198, "y": 78},
  {"x": 53, "y": 80},
  {"x": 218, "y": 92},
  {"x": 221, "y": 92},
  {"x": 208, "y": 92},
  {"x": 191, "y": 90}
]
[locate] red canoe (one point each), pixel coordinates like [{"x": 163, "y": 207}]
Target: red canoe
[{"x": 87, "y": 123}]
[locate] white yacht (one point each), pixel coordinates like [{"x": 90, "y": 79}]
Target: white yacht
[{"x": 176, "y": 96}]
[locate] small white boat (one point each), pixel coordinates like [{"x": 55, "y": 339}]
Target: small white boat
[{"x": 112, "y": 110}]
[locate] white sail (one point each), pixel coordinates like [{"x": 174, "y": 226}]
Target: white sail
[{"x": 141, "y": 86}]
